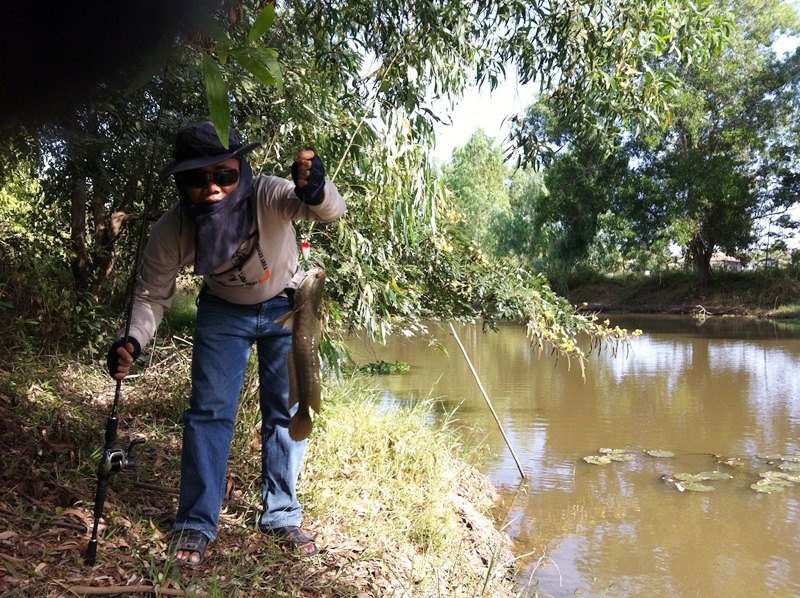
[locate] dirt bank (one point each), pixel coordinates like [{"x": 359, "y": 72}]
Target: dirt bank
[{"x": 768, "y": 294}]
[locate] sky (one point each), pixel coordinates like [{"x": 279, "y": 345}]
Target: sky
[{"x": 481, "y": 109}]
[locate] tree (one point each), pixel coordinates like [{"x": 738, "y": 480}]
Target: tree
[
  {"x": 19, "y": 183},
  {"x": 95, "y": 168},
  {"x": 585, "y": 179},
  {"x": 719, "y": 165},
  {"x": 594, "y": 61},
  {"x": 357, "y": 77},
  {"x": 477, "y": 178},
  {"x": 415, "y": 48},
  {"x": 723, "y": 161},
  {"x": 520, "y": 233}
]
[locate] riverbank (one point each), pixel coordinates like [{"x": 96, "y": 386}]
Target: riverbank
[
  {"x": 768, "y": 293},
  {"x": 394, "y": 505}
]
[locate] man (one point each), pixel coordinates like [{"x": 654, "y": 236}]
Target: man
[{"x": 237, "y": 231}]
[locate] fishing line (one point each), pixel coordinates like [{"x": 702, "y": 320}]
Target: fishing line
[
  {"x": 488, "y": 401},
  {"x": 114, "y": 460}
]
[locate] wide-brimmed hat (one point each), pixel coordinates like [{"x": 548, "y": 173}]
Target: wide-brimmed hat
[{"x": 197, "y": 145}]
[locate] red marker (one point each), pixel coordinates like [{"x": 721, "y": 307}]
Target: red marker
[{"x": 305, "y": 246}]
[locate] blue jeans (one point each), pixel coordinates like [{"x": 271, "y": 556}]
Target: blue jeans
[{"x": 224, "y": 335}]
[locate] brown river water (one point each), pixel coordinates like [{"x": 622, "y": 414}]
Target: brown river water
[{"x": 713, "y": 391}]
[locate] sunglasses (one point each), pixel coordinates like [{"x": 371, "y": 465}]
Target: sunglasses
[{"x": 200, "y": 178}]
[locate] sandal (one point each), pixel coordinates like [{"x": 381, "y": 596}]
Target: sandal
[
  {"x": 295, "y": 538},
  {"x": 188, "y": 540}
]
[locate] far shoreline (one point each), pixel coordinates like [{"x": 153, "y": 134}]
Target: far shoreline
[{"x": 770, "y": 293}]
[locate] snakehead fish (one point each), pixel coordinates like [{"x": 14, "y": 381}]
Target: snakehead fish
[{"x": 305, "y": 386}]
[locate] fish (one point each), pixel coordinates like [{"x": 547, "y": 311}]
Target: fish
[{"x": 302, "y": 363}]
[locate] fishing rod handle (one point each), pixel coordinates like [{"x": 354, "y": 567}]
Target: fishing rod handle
[{"x": 99, "y": 504}]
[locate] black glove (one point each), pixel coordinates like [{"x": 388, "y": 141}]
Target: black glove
[
  {"x": 313, "y": 192},
  {"x": 112, "y": 360}
]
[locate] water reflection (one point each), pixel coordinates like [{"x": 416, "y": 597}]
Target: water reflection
[{"x": 722, "y": 388}]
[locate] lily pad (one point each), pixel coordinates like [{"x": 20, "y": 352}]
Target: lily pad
[
  {"x": 616, "y": 454},
  {"x": 693, "y": 486},
  {"x": 772, "y": 482},
  {"x": 660, "y": 454},
  {"x": 715, "y": 475},
  {"x": 788, "y": 478},
  {"x": 735, "y": 462},
  {"x": 621, "y": 457},
  {"x": 691, "y": 481},
  {"x": 598, "y": 459},
  {"x": 768, "y": 487},
  {"x": 789, "y": 466},
  {"x": 702, "y": 477}
]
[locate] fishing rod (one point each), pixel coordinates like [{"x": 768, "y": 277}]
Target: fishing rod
[
  {"x": 486, "y": 397},
  {"x": 113, "y": 460}
]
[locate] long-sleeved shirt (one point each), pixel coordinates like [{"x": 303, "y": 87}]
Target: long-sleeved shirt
[{"x": 263, "y": 266}]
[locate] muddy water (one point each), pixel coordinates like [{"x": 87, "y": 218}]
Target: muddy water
[{"x": 704, "y": 392}]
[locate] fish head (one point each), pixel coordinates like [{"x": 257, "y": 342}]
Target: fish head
[
  {"x": 315, "y": 275},
  {"x": 310, "y": 290}
]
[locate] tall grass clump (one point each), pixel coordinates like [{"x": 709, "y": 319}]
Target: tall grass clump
[
  {"x": 393, "y": 479},
  {"x": 383, "y": 463}
]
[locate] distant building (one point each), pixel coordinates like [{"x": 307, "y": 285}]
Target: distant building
[
  {"x": 725, "y": 262},
  {"x": 767, "y": 262}
]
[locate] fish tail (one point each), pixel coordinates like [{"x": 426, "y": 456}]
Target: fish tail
[
  {"x": 300, "y": 425},
  {"x": 315, "y": 401}
]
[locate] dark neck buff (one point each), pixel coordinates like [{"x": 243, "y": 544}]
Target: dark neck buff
[{"x": 221, "y": 227}]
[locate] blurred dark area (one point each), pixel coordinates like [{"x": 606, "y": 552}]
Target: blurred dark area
[{"x": 57, "y": 55}]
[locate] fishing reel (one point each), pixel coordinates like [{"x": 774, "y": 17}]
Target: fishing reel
[{"x": 116, "y": 460}]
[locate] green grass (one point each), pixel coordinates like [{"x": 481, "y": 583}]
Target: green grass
[
  {"x": 393, "y": 503},
  {"x": 180, "y": 317},
  {"x": 789, "y": 311}
]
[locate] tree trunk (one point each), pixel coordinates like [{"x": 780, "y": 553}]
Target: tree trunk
[
  {"x": 703, "y": 265},
  {"x": 701, "y": 253},
  {"x": 81, "y": 259}
]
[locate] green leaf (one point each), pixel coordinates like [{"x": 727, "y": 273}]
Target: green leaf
[
  {"x": 693, "y": 486},
  {"x": 263, "y": 22},
  {"x": 660, "y": 454},
  {"x": 714, "y": 475},
  {"x": 215, "y": 30},
  {"x": 219, "y": 105},
  {"x": 702, "y": 476},
  {"x": 768, "y": 486},
  {"x": 782, "y": 476},
  {"x": 597, "y": 459},
  {"x": 619, "y": 455},
  {"x": 262, "y": 63}
]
